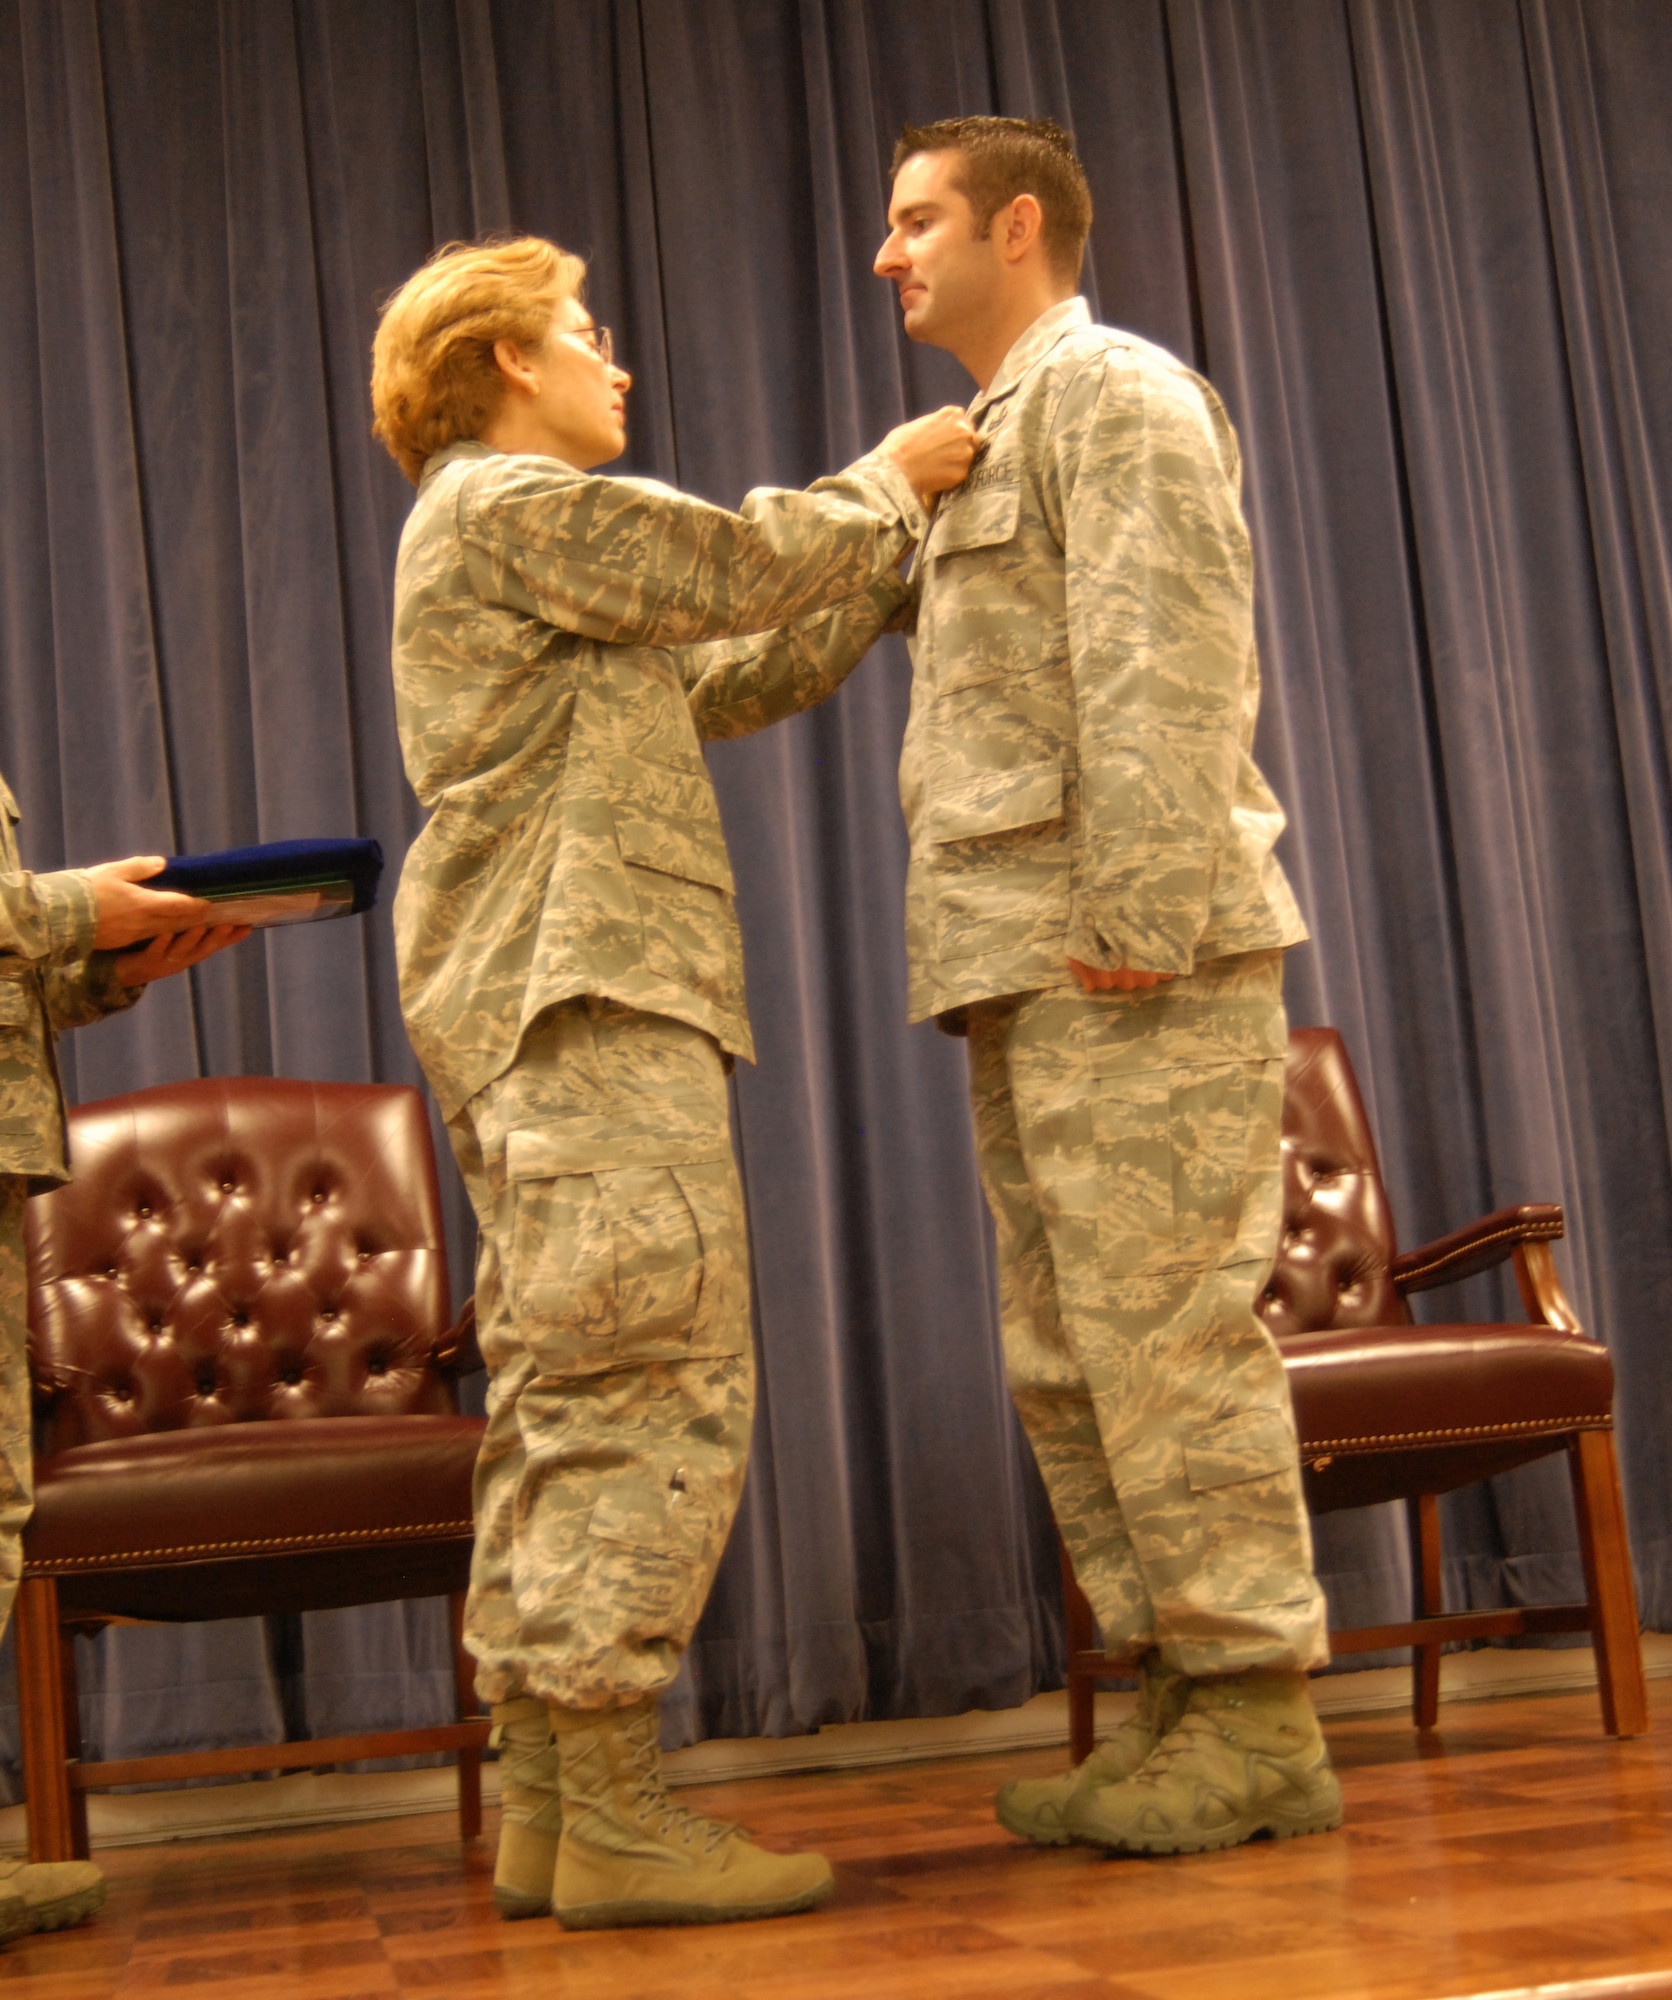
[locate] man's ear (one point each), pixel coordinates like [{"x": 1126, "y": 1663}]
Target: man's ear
[
  {"x": 515, "y": 367},
  {"x": 1019, "y": 225}
]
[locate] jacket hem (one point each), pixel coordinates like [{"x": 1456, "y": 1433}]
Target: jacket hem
[
  {"x": 934, "y": 997},
  {"x": 455, "y": 1088}
]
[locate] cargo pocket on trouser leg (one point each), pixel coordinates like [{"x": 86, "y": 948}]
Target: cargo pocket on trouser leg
[
  {"x": 624, "y": 1265},
  {"x": 1173, "y": 1166},
  {"x": 654, "y": 1542},
  {"x": 1217, "y": 1518},
  {"x": 559, "y": 1269},
  {"x": 714, "y": 1199},
  {"x": 658, "y": 1261}
]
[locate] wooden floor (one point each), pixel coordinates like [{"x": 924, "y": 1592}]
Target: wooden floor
[{"x": 1518, "y": 1849}]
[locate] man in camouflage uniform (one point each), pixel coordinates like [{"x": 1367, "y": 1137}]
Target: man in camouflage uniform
[
  {"x": 571, "y": 975},
  {"x": 1093, "y": 899},
  {"x": 58, "y": 937}
]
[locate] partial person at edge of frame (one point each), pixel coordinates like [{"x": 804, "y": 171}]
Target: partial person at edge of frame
[
  {"x": 571, "y": 978},
  {"x": 1093, "y": 900},
  {"x": 75, "y": 945}
]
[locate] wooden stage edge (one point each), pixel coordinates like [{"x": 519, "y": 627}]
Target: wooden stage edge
[{"x": 1515, "y": 1853}]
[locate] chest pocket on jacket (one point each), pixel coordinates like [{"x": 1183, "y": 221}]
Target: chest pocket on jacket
[
  {"x": 979, "y": 520},
  {"x": 997, "y": 802},
  {"x": 978, "y": 621}
]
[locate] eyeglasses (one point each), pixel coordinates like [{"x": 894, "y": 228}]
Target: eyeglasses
[{"x": 598, "y": 338}]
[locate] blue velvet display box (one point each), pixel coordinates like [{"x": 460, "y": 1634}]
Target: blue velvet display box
[{"x": 283, "y": 882}]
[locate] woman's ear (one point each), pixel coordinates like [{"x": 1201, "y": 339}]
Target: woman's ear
[{"x": 516, "y": 367}]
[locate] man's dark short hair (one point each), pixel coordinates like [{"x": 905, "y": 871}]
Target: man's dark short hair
[{"x": 1000, "y": 158}]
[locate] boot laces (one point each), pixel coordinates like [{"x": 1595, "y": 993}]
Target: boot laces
[
  {"x": 669, "y": 1818},
  {"x": 534, "y": 1770},
  {"x": 1183, "y": 1740},
  {"x": 1132, "y": 1726}
]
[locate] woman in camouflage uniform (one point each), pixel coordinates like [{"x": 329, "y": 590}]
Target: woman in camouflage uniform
[{"x": 571, "y": 977}]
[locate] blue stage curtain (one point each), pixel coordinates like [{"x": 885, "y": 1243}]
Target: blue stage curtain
[{"x": 1420, "y": 248}]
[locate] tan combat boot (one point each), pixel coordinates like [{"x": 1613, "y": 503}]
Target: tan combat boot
[
  {"x": 530, "y": 1808},
  {"x": 14, "y": 1914},
  {"x": 631, "y": 1856},
  {"x": 1246, "y": 1758},
  {"x": 1035, "y": 1808},
  {"x": 47, "y": 1895}
]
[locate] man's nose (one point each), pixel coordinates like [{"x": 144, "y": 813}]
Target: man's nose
[{"x": 888, "y": 258}]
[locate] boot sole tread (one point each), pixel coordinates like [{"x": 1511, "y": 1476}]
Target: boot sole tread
[
  {"x": 67, "y": 1911},
  {"x": 622, "y": 1916},
  {"x": 1023, "y": 1831},
  {"x": 513, "y": 1907},
  {"x": 1232, "y": 1836}
]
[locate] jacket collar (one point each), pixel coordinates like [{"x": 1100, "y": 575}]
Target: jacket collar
[
  {"x": 462, "y": 448},
  {"x": 1032, "y": 346}
]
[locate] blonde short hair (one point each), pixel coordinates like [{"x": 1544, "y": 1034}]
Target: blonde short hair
[{"x": 434, "y": 378}]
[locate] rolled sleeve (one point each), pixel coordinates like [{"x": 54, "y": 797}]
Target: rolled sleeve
[
  {"x": 629, "y": 561},
  {"x": 79, "y": 994},
  {"x": 886, "y": 474},
  {"x": 739, "y": 686}
]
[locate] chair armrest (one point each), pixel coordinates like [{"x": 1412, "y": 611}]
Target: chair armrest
[
  {"x": 1541, "y": 1289},
  {"x": 456, "y": 1352},
  {"x": 1478, "y": 1246}
]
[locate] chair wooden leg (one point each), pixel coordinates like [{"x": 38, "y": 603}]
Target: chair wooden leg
[
  {"x": 470, "y": 1761},
  {"x": 41, "y": 1722},
  {"x": 1428, "y": 1591},
  {"x": 72, "y": 1737},
  {"x": 1608, "y": 1583},
  {"x": 1079, "y": 1636}
]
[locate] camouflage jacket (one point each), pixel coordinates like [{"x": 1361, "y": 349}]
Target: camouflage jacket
[
  {"x": 1077, "y": 774},
  {"x": 562, "y": 642},
  {"x": 50, "y": 978}
]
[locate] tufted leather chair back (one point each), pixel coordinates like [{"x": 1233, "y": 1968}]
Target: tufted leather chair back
[
  {"x": 1337, "y": 1243},
  {"x": 238, "y": 1249}
]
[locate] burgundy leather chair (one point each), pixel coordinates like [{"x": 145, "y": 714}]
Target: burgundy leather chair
[
  {"x": 244, "y": 1387},
  {"x": 1389, "y": 1410}
]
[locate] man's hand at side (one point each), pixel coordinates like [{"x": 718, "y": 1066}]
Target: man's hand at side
[
  {"x": 1122, "y": 979},
  {"x": 934, "y": 452}
]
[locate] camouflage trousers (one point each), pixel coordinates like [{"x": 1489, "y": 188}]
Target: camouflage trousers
[
  {"x": 17, "y": 1469},
  {"x": 1129, "y": 1148},
  {"x": 612, "y": 1304}
]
